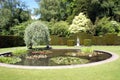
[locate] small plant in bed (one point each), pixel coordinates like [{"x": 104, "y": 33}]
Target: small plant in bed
[
  {"x": 9, "y": 60},
  {"x": 87, "y": 51},
  {"x": 43, "y": 52},
  {"x": 19, "y": 52},
  {"x": 14, "y": 58},
  {"x": 66, "y": 60},
  {"x": 84, "y": 51}
]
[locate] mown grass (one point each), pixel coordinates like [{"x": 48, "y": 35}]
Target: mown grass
[{"x": 108, "y": 71}]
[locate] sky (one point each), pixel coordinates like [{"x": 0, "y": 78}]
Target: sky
[{"x": 31, "y": 4}]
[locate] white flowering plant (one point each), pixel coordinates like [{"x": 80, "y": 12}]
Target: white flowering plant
[{"x": 80, "y": 23}]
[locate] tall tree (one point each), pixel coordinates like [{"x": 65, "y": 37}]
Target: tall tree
[
  {"x": 12, "y": 12},
  {"x": 49, "y": 9},
  {"x": 94, "y": 8},
  {"x": 55, "y": 9},
  {"x": 97, "y": 8},
  {"x": 67, "y": 9}
]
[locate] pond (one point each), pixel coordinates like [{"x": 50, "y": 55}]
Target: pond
[{"x": 57, "y": 57}]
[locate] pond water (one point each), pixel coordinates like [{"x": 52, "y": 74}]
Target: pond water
[{"x": 66, "y": 56}]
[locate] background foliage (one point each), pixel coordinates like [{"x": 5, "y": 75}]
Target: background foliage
[
  {"x": 12, "y": 12},
  {"x": 19, "y": 30},
  {"x": 105, "y": 25},
  {"x": 58, "y": 15}
]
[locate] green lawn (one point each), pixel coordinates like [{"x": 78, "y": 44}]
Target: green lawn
[{"x": 107, "y": 71}]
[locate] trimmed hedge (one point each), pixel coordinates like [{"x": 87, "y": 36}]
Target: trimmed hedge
[
  {"x": 87, "y": 42},
  {"x": 83, "y": 36},
  {"x": 98, "y": 40},
  {"x": 117, "y": 40},
  {"x": 85, "y": 39},
  {"x": 108, "y": 39},
  {"x": 70, "y": 42},
  {"x": 11, "y": 41},
  {"x": 56, "y": 40}
]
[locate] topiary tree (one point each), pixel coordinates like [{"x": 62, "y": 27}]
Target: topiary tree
[
  {"x": 36, "y": 34},
  {"x": 79, "y": 23}
]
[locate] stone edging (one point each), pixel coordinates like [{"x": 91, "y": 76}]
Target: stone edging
[{"x": 114, "y": 57}]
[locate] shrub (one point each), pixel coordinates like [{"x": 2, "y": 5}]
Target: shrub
[
  {"x": 11, "y": 41},
  {"x": 87, "y": 42},
  {"x": 60, "y": 28},
  {"x": 35, "y": 34},
  {"x": 79, "y": 23},
  {"x": 105, "y": 25},
  {"x": 50, "y": 25}
]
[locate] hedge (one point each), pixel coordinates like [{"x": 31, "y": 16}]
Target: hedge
[
  {"x": 83, "y": 36},
  {"x": 11, "y": 41},
  {"x": 70, "y": 42},
  {"x": 87, "y": 42},
  {"x": 55, "y": 40},
  {"x": 108, "y": 39},
  {"x": 98, "y": 40},
  {"x": 117, "y": 40},
  {"x": 85, "y": 39}
]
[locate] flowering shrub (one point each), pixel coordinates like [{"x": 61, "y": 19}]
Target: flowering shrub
[{"x": 80, "y": 23}]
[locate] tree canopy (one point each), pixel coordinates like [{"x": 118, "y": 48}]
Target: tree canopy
[
  {"x": 12, "y": 12},
  {"x": 67, "y": 9},
  {"x": 15, "y": 12}
]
